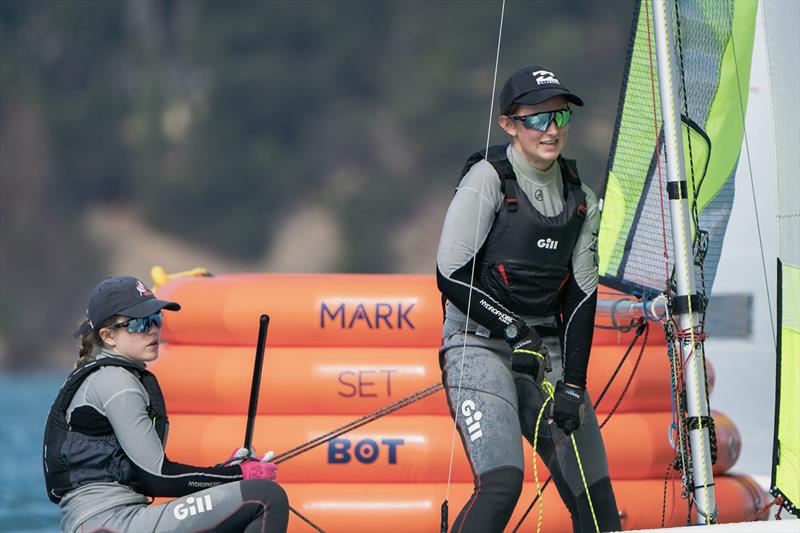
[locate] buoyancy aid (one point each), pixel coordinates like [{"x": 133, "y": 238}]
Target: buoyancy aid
[
  {"x": 525, "y": 262},
  {"x": 85, "y": 449}
]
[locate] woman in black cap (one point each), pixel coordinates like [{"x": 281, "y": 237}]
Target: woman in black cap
[
  {"x": 105, "y": 435},
  {"x": 521, "y": 289}
]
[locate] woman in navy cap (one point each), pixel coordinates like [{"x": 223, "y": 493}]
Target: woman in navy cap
[
  {"x": 105, "y": 435},
  {"x": 517, "y": 263}
]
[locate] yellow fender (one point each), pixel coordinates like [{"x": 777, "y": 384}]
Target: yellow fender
[{"x": 160, "y": 276}]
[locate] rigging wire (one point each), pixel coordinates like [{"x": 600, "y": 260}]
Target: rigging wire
[
  {"x": 364, "y": 420},
  {"x": 611, "y": 413},
  {"x": 700, "y": 249},
  {"x": 432, "y": 389},
  {"x": 675, "y": 378},
  {"x": 753, "y": 191},
  {"x": 693, "y": 343},
  {"x": 636, "y": 336},
  {"x": 306, "y": 520},
  {"x": 472, "y": 271},
  {"x": 658, "y": 148},
  {"x": 667, "y": 477}
]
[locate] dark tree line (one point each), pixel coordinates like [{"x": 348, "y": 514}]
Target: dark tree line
[{"x": 214, "y": 121}]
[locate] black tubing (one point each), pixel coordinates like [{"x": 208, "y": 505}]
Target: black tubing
[{"x": 263, "y": 324}]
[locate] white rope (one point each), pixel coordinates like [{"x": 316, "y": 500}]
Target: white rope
[{"x": 474, "y": 253}]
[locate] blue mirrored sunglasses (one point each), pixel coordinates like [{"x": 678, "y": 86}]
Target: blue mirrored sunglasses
[
  {"x": 140, "y": 325},
  {"x": 541, "y": 121}
]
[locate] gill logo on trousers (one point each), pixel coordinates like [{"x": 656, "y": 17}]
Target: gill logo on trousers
[
  {"x": 473, "y": 420},
  {"x": 192, "y": 507}
]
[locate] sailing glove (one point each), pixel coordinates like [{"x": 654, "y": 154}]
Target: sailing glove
[
  {"x": 242, "y": 454},
  {"x": 528, "y": 353},
  {"x": 568, "y": 410},
  {"x": 255, "y": 469}
]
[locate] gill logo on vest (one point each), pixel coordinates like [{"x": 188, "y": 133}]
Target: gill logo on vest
[
  {"x": 473, "y": 420},
  {"x": 547, "y": 244},
  {"x": 192, "y": 507}
]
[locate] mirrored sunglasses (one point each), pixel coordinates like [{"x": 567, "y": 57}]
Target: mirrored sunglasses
[
  {"x": 541, "y": 121},
  {"x": 140, "y": 325}
]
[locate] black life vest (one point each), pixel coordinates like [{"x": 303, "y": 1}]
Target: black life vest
[
  {"x": 86, "y": 449},
  {"x": 525, "y": 262}
]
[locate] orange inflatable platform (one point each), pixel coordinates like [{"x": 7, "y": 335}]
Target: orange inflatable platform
[
  {"x": 316, "y": 310},
  {"x": 341, "y": 346},
  {"x": 414, "y": 508},
  {"x": 415, "y": 449},
  {"x": 360, "y": 380}
]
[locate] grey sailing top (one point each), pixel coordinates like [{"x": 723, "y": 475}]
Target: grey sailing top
[{"x": 467, "y": 225}]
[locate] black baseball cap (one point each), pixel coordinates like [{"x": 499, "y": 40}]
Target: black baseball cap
[
  {"x": 533, "y": 84},
  {"x": 125, "y": 296}
]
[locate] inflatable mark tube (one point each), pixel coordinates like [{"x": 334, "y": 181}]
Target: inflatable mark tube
[
  {"x": 414, "y": 507},
  {"x": 416, "y": 449},
  {"x": 355, "y": 381},
  {"x": 399, "y": 310}
]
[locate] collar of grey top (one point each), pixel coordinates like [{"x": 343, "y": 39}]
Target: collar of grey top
[
  {"x": 528, "y": 172},
  {"x": 105, "y": 353}
]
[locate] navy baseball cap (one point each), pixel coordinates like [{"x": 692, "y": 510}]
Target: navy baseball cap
[
  {"x": 125, "y": 296},
  {"x": 533, "y": 84}
]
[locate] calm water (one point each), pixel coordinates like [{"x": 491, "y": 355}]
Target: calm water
[{"x": 24, "y": 402}]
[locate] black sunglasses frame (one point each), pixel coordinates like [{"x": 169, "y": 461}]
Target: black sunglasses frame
[
  {"x": 523, "y": 118},
  {"x": 149, "y": 321}
]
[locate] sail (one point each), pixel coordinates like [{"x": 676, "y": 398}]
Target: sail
[
  {"x": 713, "y": 51},
  {"x": 781, "y": 20}
]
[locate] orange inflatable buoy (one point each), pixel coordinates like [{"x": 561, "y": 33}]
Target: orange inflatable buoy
[
  {"x": 341, "y": 346},
  {"x": 415, "y": 448},
  {"x": 414, "y": 508},
  {"x": 309, "y": 310},
  {"x": 397, "y": 310},
  {"x": 361, "y": 380}
]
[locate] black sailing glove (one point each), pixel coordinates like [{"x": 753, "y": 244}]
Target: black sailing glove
[
  {"x": 528, "y": 354},
  {"x": 568, "y": 407}
]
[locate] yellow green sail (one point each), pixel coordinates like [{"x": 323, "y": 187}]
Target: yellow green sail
[
  {"x": 714, "y": 49},
  {"x": 783, "y": 44}
]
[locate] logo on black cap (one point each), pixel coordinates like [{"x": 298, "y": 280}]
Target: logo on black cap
[
  {"x": 143, "y": 291},
  {"x": 544, "y": 77}
]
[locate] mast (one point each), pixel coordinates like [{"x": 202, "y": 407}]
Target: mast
[{"x": 687, "y": 304}]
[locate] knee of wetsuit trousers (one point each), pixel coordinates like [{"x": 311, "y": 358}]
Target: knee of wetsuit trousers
[
  {"x": 499, "y": 491},
  {"x": 605, "y": 508},
  {"x": 265, "y": 491},
  {"x": 490, "y": 507},
  {"x": 503, "y": 482}
]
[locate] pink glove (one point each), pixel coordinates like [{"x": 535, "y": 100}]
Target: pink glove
[{"x": 255, "y": 469}]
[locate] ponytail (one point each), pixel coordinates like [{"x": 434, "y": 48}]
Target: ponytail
[
  {"x": 88, "y": 343},
  {"x": 90, "y": 339}
]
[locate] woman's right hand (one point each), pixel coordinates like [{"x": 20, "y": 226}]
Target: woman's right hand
[{"x": 528, "y": 353}]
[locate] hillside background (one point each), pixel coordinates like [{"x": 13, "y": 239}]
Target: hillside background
[{"x": 306, "y": 136}]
